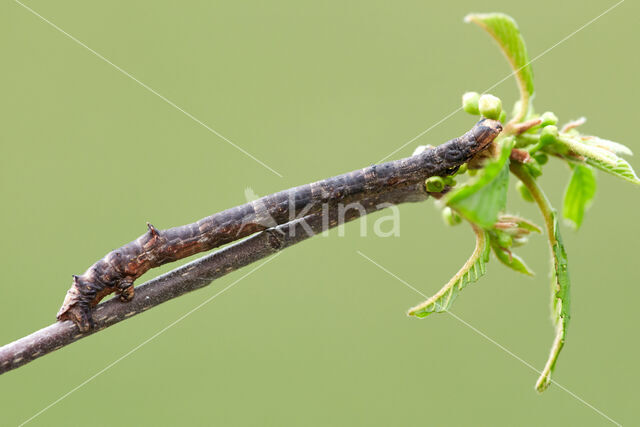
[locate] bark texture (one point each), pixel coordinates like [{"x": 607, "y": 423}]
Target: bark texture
[
  {"x": 117, "y": 271},
  {"x": 195, "y": 275},
  {"x": 317, "y": 205}
]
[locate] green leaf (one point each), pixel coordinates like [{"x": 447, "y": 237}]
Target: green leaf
[
  {"x": 481, "y": 200},
  {"x": 508, "y": 232},
  {"x": 505, "y": 31},
  {"x": 521, "y": 223},
  {"x": 614, "y": 147},
  {"x": 511, "y": 260},
  {"x": 471, "y": 271},
  {"x": 508, "y": 258},
  {"x": 600, "y": 158},
  {"x": 620, "y": 168},
  {"x": 560, "y": 302},
  {"x": 579, "y": 194},
  {"x": 560, "y": 276}
]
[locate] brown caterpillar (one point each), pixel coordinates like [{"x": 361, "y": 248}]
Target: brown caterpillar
[{"x": 117, "y": 271}]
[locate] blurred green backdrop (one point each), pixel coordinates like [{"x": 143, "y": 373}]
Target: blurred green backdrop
[{"x": 319, "y": 336}]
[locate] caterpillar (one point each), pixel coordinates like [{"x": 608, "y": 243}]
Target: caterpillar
[{"x": 117, "y": 271}]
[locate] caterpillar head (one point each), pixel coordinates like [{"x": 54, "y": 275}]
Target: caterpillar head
[{"x": 484, "y": 132}]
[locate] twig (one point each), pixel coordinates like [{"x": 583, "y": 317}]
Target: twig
[
  {"x": 117, "y": 270},
  {"x": 369, "y": 189},
  {"x": 197, "y": 274}
]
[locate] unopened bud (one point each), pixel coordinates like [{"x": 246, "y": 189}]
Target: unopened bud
[
  {"x": 503, "y": 117},
  {"x": 549, "y": 135},
  {"x": 548, "y": 118},
  {"x": 519, "y": 241},
  {"x": 534, "y": 169},
  {"x": 541, "y": 158},
  {"x": 505, "y": 240},
  {"x": 435, "y": 184},
  {"x": 450, "y": 217},
  {"x": 524, "y": 192},
  {"x": 462, "y": 169},
  {"x": 470, "y": 103},
  {"x": 490, "y": 106}
]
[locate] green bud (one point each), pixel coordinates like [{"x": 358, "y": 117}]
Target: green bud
[
  {"x": 534, "y": 169},
  {"x": 519, "y": 241},
  {"x": 462, "y": 170},
  {"x": 524, "y": 192},
  {"x": 503, "y": 117},
  {"x": 470, "y": 103},
  {"x": 548, "y": 118},
  {"x": 549, "y": 135},
  {"x": 450, "y": 217},
  {"x": 435, "y": 184},
  {"x": 490, "y": 106},
  {"x": 448, "y": 180},
  {"x": 505, "y": 240},
  {"x": 541, "y": 158}
]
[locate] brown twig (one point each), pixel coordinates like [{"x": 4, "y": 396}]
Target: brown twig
[
  {"x": 197, "y": 274},
  {"x": 370, "y": 189},
  {"x": 117, "y": 271}
]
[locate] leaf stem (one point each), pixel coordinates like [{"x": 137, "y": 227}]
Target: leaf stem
[
  {"x": 547, "y": 211},
  {"x": 525, "y": 139},
  {"x": 560, "y": 285}
]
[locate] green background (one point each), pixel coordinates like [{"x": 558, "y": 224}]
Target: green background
[{"x": 318, "y": 336}]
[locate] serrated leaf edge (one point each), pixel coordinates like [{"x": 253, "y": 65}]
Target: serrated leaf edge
[
  {"x": 601, "y": 158},
  {"x": 525, "y": 88},
  {"x": 560, "y": 303},
  {"x": 471, "y": 271},
  {"x": 614, "y": 147}
]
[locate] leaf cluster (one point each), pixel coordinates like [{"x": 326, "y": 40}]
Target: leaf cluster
[{"x": 523, "y": 148}]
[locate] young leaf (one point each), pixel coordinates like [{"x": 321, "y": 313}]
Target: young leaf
[
  {"x": 521, "y": 223},
  {"x": 614, "y": 147},
  {"x": 560, "y": 275},
  {"x": 483, "y": 199},
  {"x": 560, "y": 302},
  {"x": 579, "y": 193},
  {"x": 511, "y": 231},
  {"x": 601, "y": 158},
  {"x": 510, "y": 259},
  {"x": 471, "y": 271},
  {"x": 505, "y": 31},
  {"x": 618, "y": 167}
]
